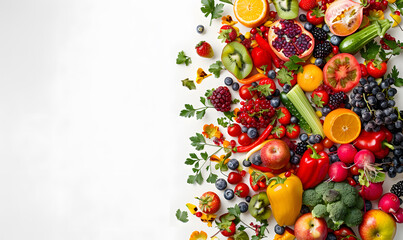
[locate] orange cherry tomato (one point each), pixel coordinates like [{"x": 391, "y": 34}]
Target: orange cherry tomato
[{"x": 327, "y": 143}]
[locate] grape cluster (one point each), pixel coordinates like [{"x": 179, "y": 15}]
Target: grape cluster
[
  {"x": 374, "y": 103},
  {"x": 221, "y": 99},
  {"x": 255, "y": 113}
]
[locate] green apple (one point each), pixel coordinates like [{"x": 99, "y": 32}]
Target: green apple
[{"x": 377, "y": 225}]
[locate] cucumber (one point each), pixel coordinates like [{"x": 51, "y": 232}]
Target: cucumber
[
  {"x": 301, "y": 120},
  {"x": 353, "y": 43}
]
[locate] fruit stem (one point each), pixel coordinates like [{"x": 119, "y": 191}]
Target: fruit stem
[{"x": 314, "y": 154}]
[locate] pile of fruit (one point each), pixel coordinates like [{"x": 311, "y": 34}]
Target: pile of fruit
[{"x": 316, "y": 130}]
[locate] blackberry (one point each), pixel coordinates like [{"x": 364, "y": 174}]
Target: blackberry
[
  {"x": 221, "y": 99},
  {"x": 319, "y": 34},
  {"x": 397, "y": 189},
  {"x": 322, "y": 50},
  {"x": 301, "y": 148},
  {"x": 336, "y": 99}
]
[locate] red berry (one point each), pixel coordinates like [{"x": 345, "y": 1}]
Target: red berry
[
  {"x": 243, "y": 173},
  {"x": 233, "y": 143},
  {"x": 335, "y": 50},
  {"x": 385, "y": 3},
  {"x": 266, "y": 35},
  {"x": 397, "y": 13},
  {"x": 253, "y": 31},
  {"x": 263, "y": 28},
  {"x": 272, "y": 14},
  {"x": 364, "y": 72},
  {"x": 287, "y": 174},
  {"x": 198, "y": 214}
]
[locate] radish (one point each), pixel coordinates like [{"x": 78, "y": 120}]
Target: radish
[
  {"x": 346, "y": 153},
  {"x": 372, "y": 192},
  {"x": 338, "y": 171},
  {"x": 389, "y": 203},
  {"x": 399, "y": 215},
  {"x": 364, "y": 159}
]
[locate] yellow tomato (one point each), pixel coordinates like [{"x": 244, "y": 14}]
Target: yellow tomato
[{"x": 310, "y": 78}]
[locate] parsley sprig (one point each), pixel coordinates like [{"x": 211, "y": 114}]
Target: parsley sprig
[
  {"x": 395, "y": 75},
  {"x": 216, "y": 68},
  {"x": 182, "y": 58},
  {"x": 210, "y": 8},
  {"x": 182, "y": 216},
  {"x": 190, "y": 111}
]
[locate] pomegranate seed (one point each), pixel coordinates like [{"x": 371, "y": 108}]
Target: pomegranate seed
[
  {"x": 266, "y": 34},
  {"x": 272, "y": 14}
]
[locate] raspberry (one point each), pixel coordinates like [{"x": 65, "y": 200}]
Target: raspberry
[{"x": 221, "y": 99}]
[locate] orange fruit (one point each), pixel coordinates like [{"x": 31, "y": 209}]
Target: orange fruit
[
  {"x": 251, "y": 13},
  {"x": 310, "y": 78},
  {"x": 342, "y": 126}
]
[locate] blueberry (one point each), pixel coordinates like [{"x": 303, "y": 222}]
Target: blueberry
[
  {"x": 305, "y": 209},
  {"x": 356, "y": 177},
  {"x": 392, "y": 172},
  {"x": 246, "y": 163},
  {"x": 248, "y": 198},
  {"x": 292, "y": 153},
  {"x": 252, "y": 132},
  {"x": 368, "y": 205},
  {"x": 229, "y": 194},
  {"x": 302, "y": 18},
  {"x": 399, "y": 169},
  {"x": 371, "y": 79},
  {"x": 303, "y": 137},
  {"x": 331, "y": 236},
  {"x": 256, "y": 159},
  {"x": 233, "y": 164},
  {"x": 384, "y": 84},
  {"x": 317, "y": 138},
  {"x": 200, "y": 28},
  {"x": 391, "y": 81},
  {"x": 277, "y": 93},
  {"x": 326, "y": 28},
  {"x": 308, "y": 26},
  {"x": 242, "y": 37},
  {"x": 294, "y": 119},
  {"x": 279, "y": 229},
  {"x": 271, "y": 74},
  {"x": 311, "y": 139},
  {"x": 319, "y": 62},
  {"x": 326, "y": 110},
  {"x": 221, "y": 184},
  {"x": 235, "y": 86},
  {"x": 243, "y": 207},
  {"x": 244, "y": 129},
  {"x": 275, "y": 102},
  {"x": 347, "y": 106},
  {"x": 334, "y": 158},
  {"x": 294, "y": 160},
  {"x": 362, "y": 80},
  {"x": 228, "y": 81},
  {"x": 335, "y": 40},
  {"x": 286, "y": 88},
  {"x": 392, "y": 92},
  {"x": 398, "y": 152}
]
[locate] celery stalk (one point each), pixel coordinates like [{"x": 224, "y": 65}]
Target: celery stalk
[{"x": 301, "y": 103}]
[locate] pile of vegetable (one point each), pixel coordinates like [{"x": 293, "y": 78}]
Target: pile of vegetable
[{"x": 307, "y": 131}]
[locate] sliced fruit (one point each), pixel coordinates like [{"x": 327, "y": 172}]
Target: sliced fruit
[
  {"x": 288, "y": 38},
  {"x": 344, "y": 17},
  {"x": 251, "y": 13},
  {"x": 236, "y": 59},
  {"x": 342, "y": 126},
  {"x": 286, "y": 9},
  {"x": 310, "y": 78},
  {"x": 342, "y": 72}
]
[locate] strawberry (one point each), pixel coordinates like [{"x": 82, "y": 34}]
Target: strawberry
[
  {"x": 315, "y": 16},
  {"x": 209, "y": 202},
  {"x": 283, "y": 115},
  {"x": 266, "y": 87},
  {"x": 204, "y": 49},
  {"x": 308, "y": 4},
  {"x": 279, "y": 131},
  {"x": 286, "y": 77},
  {"x": 292, "y": 131},
  {"x": 227, "y": 33},
  {"x": 320, "y": 98}
]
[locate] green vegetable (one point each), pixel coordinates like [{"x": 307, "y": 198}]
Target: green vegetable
[
  {"x": 358, "y": 40},
  {"x": 337, "y": 211},
  {"x": 216, "y": 68},
  {"x": 323, "y": 187},
  {"x": 353, "y": 217},
  {"x": 288, "y": 104},
  {"x": 182, "y": 58},
  {"x": 311, "y": 198},
  {"x": 331, "y": 195},
  {"x": 301, "y": 103},
  {"x": 319, "y": 211}
]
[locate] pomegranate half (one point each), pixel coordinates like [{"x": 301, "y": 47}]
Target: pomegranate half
[
  {"x": 288, "y": 38},
  {"x": 344, "y": 17}
]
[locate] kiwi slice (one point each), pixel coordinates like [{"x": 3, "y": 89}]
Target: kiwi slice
[
  {"x": 236, "y": 59},
  {"x": 286, "y": 9},
  {"x": 259, "y": 207}
]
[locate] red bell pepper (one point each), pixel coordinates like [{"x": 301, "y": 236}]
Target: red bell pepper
[
  {"x": 313, "y": 167},
  {"x": 266, "y": 46},
  {"x": 376, "y": 142}
]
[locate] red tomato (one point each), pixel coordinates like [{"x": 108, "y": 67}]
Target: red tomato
[
  {"x": 241, "y": 190},
  {"x": 279, "y": 131},
  {"x": 230, "y": 233},
  {"x": 377, "y": 70},
  {"x": 313, "y": 18},
  {"x": 234, "y": 130},
  {"x": 244, "y": 92},
  {"x": 320, "y": 98},
  {"x": 244, "y": 139},
  {"x": 327, "y": 143},
  {"x": 234, "y": 178},
  {"x": 269, "y": 85},
  {"x": 292, "y": 131},
  {"x": 318, "y": 147},
  {"x": 209, "y": 203}
]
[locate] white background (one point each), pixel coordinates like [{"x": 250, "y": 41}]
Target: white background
[{"x": 91, "y": 144}]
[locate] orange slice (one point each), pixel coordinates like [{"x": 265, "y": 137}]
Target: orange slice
[
  {"x": 342, "y": 126},
  {"x": 251, "y": 13}
]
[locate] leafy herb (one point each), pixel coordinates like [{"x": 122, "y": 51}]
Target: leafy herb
[
  {"x": 235, "y": 101},
  {"x": 182, "y": 216},
  {"x": 216, "y": 68},
  {"x": 317, "y": 100},
  {"x": 395, "y": 75},
  {"x": 198, "y": 141},
  {"x": 394, "y": 46},
  {"x": 182, "y": 58},
  {"x": 370, "y": 50},
  {"x": 190, "y": 111},
  {"x": 210, "y": 8},
  {"x": 189, "y": 84},
  {"x": 285, "y": 76},
  {"x": 264, "y": 89},
  {"x": 293, "y": 65},
  {"x": 236, "y": 211}
]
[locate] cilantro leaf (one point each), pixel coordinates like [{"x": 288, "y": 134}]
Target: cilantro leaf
[
  {"x": 393, "y": 46},
  {"x": 216, "y": 68},
  {"x": 182, "y": 216},
  {"x": 223, "y": 122},
  {"x": 182, "y": 58},
  {"x": 212, "y": 178},
  {"x": 189, "y": 84},
  {"x": 236, "y": 211},
  {"x": 198, "y": 141},
  {"x": 188, "y": 112},
  {"x": 285, "y": 76},
  {"x": 293, "y": 65},
  {"x": 210, "y": 8}
]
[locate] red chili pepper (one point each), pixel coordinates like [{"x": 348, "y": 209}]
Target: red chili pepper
[
  {"x": 376, "y": 142},
  {"x": 261, "y": 138},
  {"x": 313, "y": 167},
  {"x": 266, "y": 46}
]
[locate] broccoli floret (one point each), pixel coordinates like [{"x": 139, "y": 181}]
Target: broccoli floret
[
  {"x": 336, "y": 210},
  {"x": 348, "y": 193},
  {"x": 333, "y": 225},
  {"x": 359, "y": 202},
  {"x": 353, "y": 217},
  {"x": 311, "y": 198},
  {"x": 319, "y": 211},
  {"x": 331, "y": 195},
  {"x": 323, "y": 187}
]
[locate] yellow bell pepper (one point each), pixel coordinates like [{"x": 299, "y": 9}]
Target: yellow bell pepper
[
  {"x": 287, "y": 235},
  {"x": 396, "y": 19},
  {"x": 285, "y": 196}
]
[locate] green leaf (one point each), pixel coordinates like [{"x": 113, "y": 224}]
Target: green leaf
[
  {"x": 198, "y": 141},
  {"x": 236, "y": 211},
  {"x": 188, "y": 112},
  {"x": 395, "y": 75},
  {"x": 317, "y": 100},
  {"x": 265, "y": 89},
  {"x": 279, "y": 113},
  {"x": 210, "y": 8},
  {"x": 212, "y": 178},
  {"x": 204, "y": 155},
  {"x": 241, "y": 228},
  {"x": 209, "y": 92},
  {"x": 199, "y": 178},
  {"x": 399, "y": 3},
  {"x": 191, "y": 179},
  {"x": 285, "y": 76},
  {"x": 216, "y": 68},
  {"x": 370, "y": 51},
  {"x": 223, "y": 121},
  {"x": 200, "y": 114},
  {"x": 235, "y": 101},
  {"x": 193, "y": 155},
  {"x": 203, "y": 100},
  {"x": 189, "y": 84},
  {"x": 190, "y": 161},
  {"x": 318, "y": 12},
  {"x": 182, "y": 216},
  {"x": 293, "y": 65},
  {"x": 182, "y": 58}
]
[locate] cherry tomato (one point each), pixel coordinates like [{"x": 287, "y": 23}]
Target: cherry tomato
[
  {"x": 313, "y": 18},
  {"x": 272, "y": 14},
  {"x": 234, "y": 178},
  {"x": 318, "y": 147},
  {"x": 320, "y": 98},
  {"x": 327, "y": 143},
  {"x": 244, "y": 92},
  {"x": 241, "y": 190},
  {"x": 354, "y": 170},
  {"x": 364, "y": 72},
  {"x": 351, "y": 181},
  {"x": 233, "y": 143},
  {"x": 234, "y": 130},
  {"x": 244, "y": 139},
  {"x": 231, "y": 232},
  {"x": 377, "y": 70}
]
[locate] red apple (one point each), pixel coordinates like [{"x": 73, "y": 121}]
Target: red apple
[
  {"x": 377, "y": 225},
  {"x": 275, "y": 154},
  {"x": 308, "y": 227}
]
